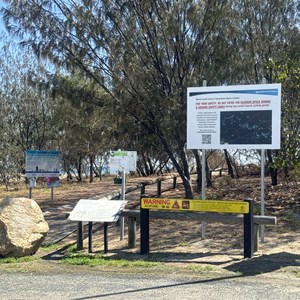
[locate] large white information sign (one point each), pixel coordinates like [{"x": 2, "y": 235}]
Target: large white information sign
[
  {"x": 42, "y": 163},
  {"x": 234, "y": 117},
  {"x": 122, "y": 160},
  {"x": 89, "y": 210}
]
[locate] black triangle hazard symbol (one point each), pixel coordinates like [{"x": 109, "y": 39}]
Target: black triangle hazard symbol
[{"x": 176, "y": 204}]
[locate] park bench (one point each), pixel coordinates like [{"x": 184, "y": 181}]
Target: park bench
[{"x": 134, "y": 215}]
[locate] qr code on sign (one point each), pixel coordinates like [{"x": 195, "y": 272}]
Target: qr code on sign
[{"x": 206, "y": 139}]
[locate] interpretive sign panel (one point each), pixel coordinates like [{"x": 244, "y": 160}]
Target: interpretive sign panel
[
  {"x": 234, "y": 117},
  {"x": 237, "y": 207},
  {"x": 42, "y": 163},
  {"x": 89, "y": 210},
  {"x": 122, "y": 160}
]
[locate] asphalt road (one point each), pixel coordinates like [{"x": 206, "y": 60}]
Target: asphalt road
[{"x": 33, "y": 286}]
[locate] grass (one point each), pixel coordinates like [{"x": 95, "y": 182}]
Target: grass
[
  {"x": 99, "y": 260},
  {"x": 13, "y": 260},
  {"x": 201, "y": 269},
  {"x": 73, "y": 257}
]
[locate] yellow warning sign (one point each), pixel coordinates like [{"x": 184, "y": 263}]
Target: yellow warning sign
[
  {"x": 176, "y": 205},
  {"x": 236, "y": 207}
]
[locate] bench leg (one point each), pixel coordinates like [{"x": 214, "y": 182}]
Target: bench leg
[
  {"x": 90, "y": 237},
  {"x": 105, "y": 238},
  {"x": 79, "y": 236}
]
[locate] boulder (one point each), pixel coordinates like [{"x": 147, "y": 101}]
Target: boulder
[{"x": 22, "y": 227}]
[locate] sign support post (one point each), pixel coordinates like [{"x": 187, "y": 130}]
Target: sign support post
[
  {"x": 262, "y": 194},
  {"x": 123, "y": 191},
  {"x": 262, "y": 187},
  {"x": 144, "y": 231},
  {"x": 248, "y": 231},
  {"x": 52, "y": 196},
  {"x": 203, "y": 181}
]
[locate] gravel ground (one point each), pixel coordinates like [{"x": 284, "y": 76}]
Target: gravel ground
[{"x": 136, "y": 286}]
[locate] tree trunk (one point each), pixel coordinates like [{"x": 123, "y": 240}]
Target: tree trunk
[
  {"x": 198, "y": 170},
  {"x": 79, "y": 169},
  {"x": 91, "y": 168},
  {"x": 229, "y": 165},
  {"x": 182, "y": 171},
  {"x": 208, "y": 174},
  {"x": 273, "y": 171}
]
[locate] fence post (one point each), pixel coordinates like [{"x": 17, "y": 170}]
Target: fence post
[
  {"x": 174, "y": 182},
  {"x": 143, "y": 188},
  {"x": 158, "y": 187}
]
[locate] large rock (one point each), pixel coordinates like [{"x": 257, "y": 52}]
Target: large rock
[{"x": 22, "y": 227}]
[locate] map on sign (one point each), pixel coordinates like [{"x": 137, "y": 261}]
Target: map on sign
[
  {"x": 234, "y": 117},
  {"x": 42, "y": 163},
  {"x": 258, "y": 130},
  {"x": 88, "y": 210},
  {"x": 122, "y": 160},
  {"x": 239, "y": 207}
]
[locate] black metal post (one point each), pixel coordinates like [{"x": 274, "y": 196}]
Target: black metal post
[
  {"x": 249, "y": 232},
  {"x": 90, "y": 237},
  {"x": 79, "y": 236},
  {"x": 144, "y": 230},
  {"x": 105, "y": 238}
]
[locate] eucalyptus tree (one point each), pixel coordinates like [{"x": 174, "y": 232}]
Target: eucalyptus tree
[{"x": 142, "y": 53}]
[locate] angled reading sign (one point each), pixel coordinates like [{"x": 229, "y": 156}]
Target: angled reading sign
[{"x": 234, "y": 117}]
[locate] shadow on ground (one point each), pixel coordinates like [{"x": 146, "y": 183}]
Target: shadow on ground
[{"x": 265, "y": 264}]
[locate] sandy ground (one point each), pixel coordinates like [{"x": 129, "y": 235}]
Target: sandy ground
[{"x": 179, "y": 242}]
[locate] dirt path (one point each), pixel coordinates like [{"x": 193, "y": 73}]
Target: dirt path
[{"x": 179, "y": 242}]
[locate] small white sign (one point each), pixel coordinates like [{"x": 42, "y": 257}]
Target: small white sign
[
  {"x": 88, "y": 210},
  {"x": 122, "y": 160},
  {"x": 234, "y": 117}
]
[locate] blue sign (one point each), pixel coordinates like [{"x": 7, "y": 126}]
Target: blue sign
[{"x": 42, "y": 163}]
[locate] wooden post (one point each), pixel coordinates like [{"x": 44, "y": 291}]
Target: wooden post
[
  {"x": 174, "y": 182},
  {"x": 158, "y": 187},
  {"x": 143, "y": 187}
]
